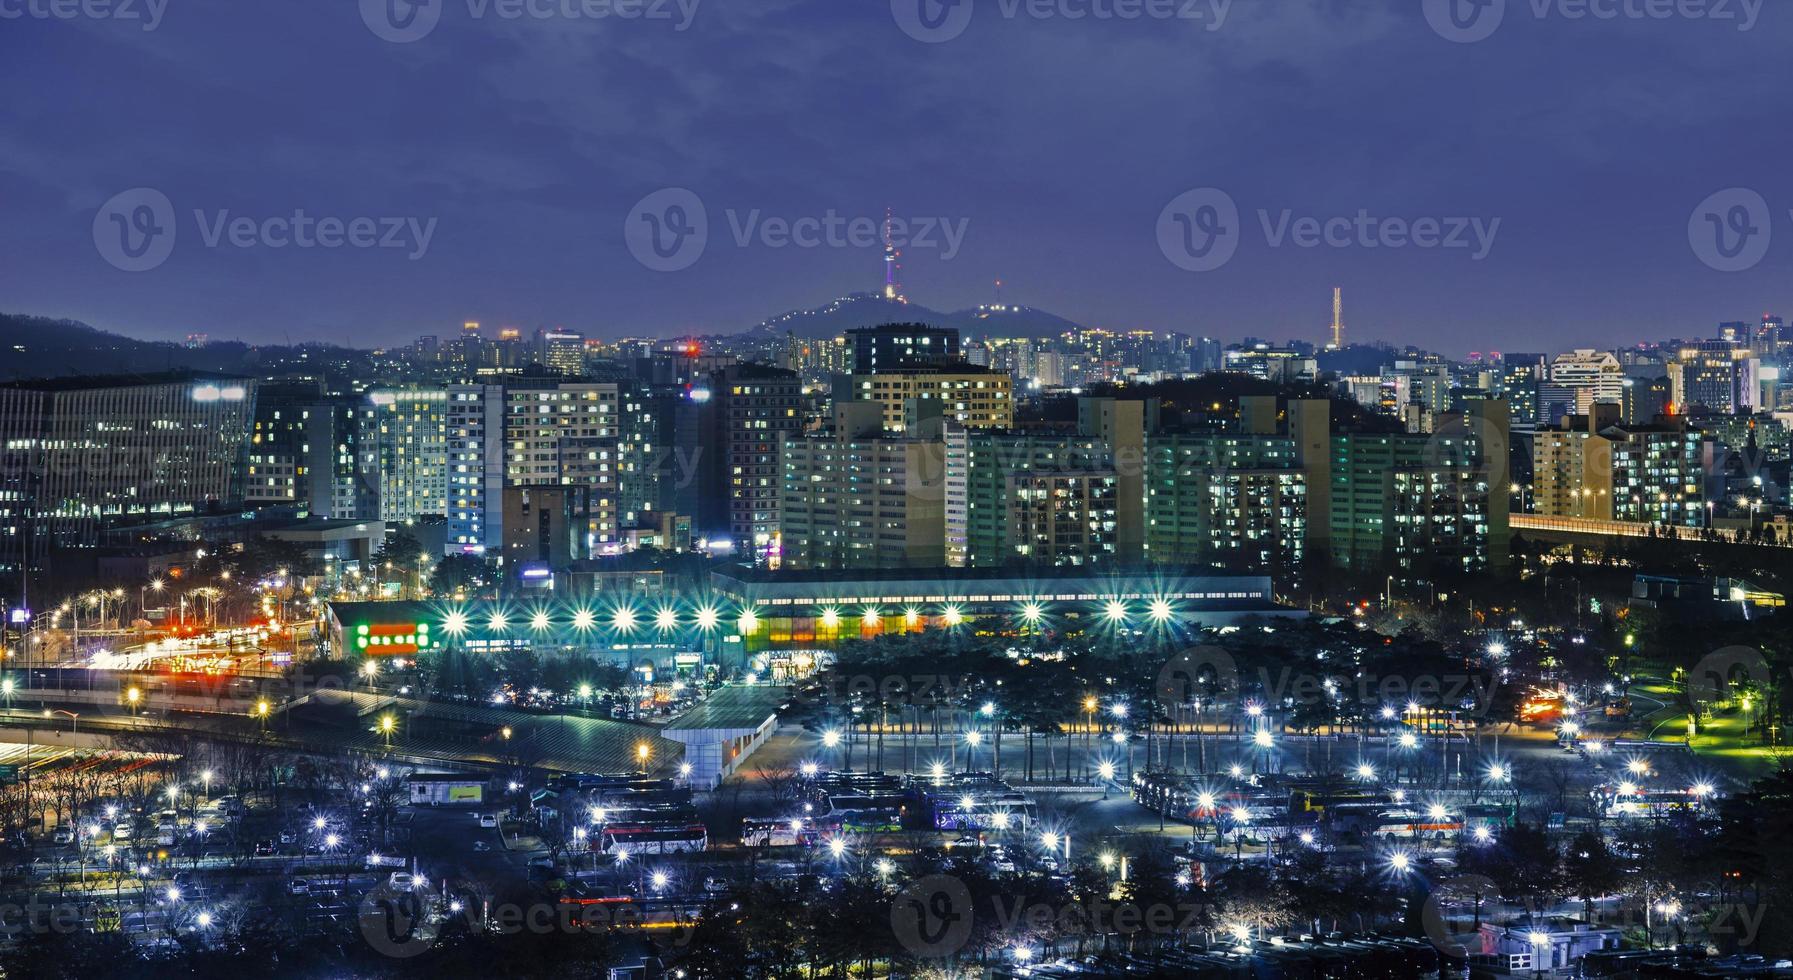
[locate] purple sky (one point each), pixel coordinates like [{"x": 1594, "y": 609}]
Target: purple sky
[{"x": 1054, "y": 143}]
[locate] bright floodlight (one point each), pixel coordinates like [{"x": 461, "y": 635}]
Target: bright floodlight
[
  {"x": 831, "y": 738},
  {"x": 583, "y": 620},
  {"x": 1497, "y": 773},
  {"x": 623, "y": 619},
  {"x": 498, "y": 623},
  {"x": 1205, "y": 801},
  {"x": 1366, "y": 771},
  {"x": 1031, "y": 612},
  {"x": 661, "y": 880},
  {"x": 1235, "y": 770},
  {"x": 1107, "y": 769},
  {"x": 953, "y": 616},
  {"x": 1437, "y": 812},
  {"x": 837, "y": 846},
  {"x": 666, "y": 618},
  {"x": 1262, "y": 738},
  {"x": 871, "y": 617},
  {"x": 1049, "y": 840},
  {"x": 1409, "y": 740},
  {"x": 749, "y": 622},
  {"x": 1160, "y": 611},
  {"x": 1115, "y": 611},
  {"x": 1638, "y": 766},
  {"x": 1388, "y": 711},
  {"x": 707, "y": 618},
  {"x": 1702, "y": 789},
  {"x": 1483, "y": 835},
  {"x": 1401, "y": 863},
  {"x": 539, "y": 621},
  {"x": 455, "y": 623},
  {"x": 831, "y": 618}
]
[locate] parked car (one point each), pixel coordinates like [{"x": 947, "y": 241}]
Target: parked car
[
  {"x": 298, "y": 886},
  {"x": 403, "y": 880},
  {"x": 488, "y": 820},
  {"x": 62, "y": 835},
  {"x": 264, "y": 848}
]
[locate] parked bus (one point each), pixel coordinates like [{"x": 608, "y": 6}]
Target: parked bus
[
  {"x": 790, "y": 832},
  {"x": 654, "y": 838}
]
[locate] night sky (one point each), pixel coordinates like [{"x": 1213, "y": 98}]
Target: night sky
[{"x": 524, "y": 144}]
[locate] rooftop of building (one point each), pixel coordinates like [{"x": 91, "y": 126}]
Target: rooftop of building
[
  {"x": 732, "y": 708},
  {"x": 98, "y": 382}
]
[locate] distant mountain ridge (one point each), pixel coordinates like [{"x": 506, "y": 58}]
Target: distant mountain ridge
[
  {"x": 47, "y": 347},
  {"x": 868, "y": 310}
]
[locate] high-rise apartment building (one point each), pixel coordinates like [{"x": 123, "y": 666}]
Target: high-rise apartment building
[
  {"x": 1593, "y": 376},
  {"x": 563, "y": 351},
  {"x": 543, "y": 433},
  {"x": 1597, "y": 468},
  {"x": 1229, "y": 500},
  {"x": 853, "y": 497},
  {"x": 278, "y": 459},
  {"x": 1720, "y": 376},
  {"x": 902, "y": 347},
  {"x": 78, "y": 455},
  {"x": 403, "y": 443},
  {"x": 977, "y": 398},
  {"x": 749, "y": 409}
]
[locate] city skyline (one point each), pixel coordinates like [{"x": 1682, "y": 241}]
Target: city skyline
[{"x": 511, "y": 153}]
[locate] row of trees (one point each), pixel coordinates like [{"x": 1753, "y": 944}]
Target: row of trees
[{"x": 909, "y": 697}]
